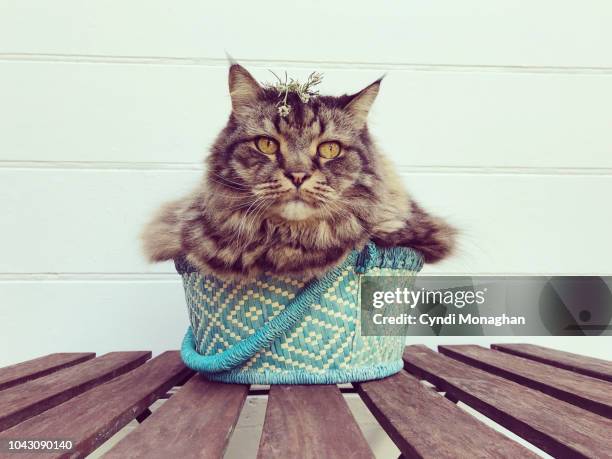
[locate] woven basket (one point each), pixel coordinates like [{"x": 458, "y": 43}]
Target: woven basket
[{"x": 276, "y": 330}]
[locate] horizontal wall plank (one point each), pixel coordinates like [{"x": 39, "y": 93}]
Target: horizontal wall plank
[
  {"x": 471, "y": 32},
  {"x": 46, "y": 317},
  {"x": 80, "y": 221},
  {"x": 171, "y": 114}
]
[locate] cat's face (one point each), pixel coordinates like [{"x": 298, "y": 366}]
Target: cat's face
[{"x": 314, "y": 162}]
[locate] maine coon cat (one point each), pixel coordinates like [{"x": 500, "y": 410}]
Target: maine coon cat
[{"x": 291, "y": 190}]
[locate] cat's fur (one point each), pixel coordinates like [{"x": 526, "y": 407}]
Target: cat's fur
[{"x": 248, "y": 217}]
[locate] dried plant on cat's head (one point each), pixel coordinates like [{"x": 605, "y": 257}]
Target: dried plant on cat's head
[{"x": 303, "y": 90}]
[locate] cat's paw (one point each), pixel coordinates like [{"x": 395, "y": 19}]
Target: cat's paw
[
  {"x": 437, "y": 242},
  {"x": 433, "y": 237}
]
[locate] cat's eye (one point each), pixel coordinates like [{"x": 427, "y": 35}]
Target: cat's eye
[
  {"x": 329, "y": 150},
  {"x": 266, "y": 145}
]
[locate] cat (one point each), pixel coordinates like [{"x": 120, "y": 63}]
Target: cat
[{"x": 291, "y": 192}]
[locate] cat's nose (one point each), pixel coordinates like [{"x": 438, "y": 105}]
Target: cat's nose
[{"x": 297, "y": 177}]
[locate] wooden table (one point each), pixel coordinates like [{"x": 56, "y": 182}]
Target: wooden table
[{"x": 559, "y": 402}]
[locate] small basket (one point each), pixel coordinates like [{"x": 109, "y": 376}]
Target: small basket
[{"x": 276, "y": 330}]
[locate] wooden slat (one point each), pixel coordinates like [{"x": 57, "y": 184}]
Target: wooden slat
[
  {"x": 93, "y": 417},
  {"x": 31, "y": 398},
  {"x": 557, "y": 427},
  {"x": 196, "y": 422},
  {"x": 41, "y": 366},
  {"x": 424, "y": 424},
  {"x": 597, "y": 368},
  {"x": 589, "y": 393},
  {"x": 310, "y": 422}
]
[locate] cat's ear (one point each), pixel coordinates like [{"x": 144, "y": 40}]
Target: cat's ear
[
  {"x": 359, "y": 104},
  {"x": 243, "y": 87}
]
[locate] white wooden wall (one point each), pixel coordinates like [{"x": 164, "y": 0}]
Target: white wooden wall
[{"x": 498, "y": 115}]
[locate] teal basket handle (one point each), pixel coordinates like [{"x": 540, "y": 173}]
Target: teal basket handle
[{"x": 293, "y": 313}]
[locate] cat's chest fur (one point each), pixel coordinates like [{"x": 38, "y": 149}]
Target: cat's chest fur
[
  {"x": 281, "y": 247},
  {"x": 309, "y": 246}
]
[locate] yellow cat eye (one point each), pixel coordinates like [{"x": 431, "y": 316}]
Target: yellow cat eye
[
  {"x": 329, "y": 150},
  {"x": 266, "y": 145}
]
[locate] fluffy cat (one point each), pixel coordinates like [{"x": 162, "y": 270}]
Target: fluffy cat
[{"x": 292, "y": 193}]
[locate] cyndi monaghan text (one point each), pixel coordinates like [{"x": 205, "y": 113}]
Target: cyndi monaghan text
[{"x": 450, "y": 319}]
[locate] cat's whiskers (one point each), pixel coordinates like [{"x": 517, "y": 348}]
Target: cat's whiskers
[
  {"x": 323, "y": 185},
  {"x": 243, "y": 220},
  {"x": 241, "y": 206},
  {"x": 272, "y": 184},
  {"x": 319, "y": 198},
  {"x": 261, "y": 209},
  {"x": 235, "y": 196},
  {"x": 352, "y": 217},
  {"x": 226, "y": 185},
  {"x": 242, "y": 226},
  {"x": 228, "y": 180}
]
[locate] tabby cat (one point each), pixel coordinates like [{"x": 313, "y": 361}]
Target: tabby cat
[{"x": 292, "y": 193}]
